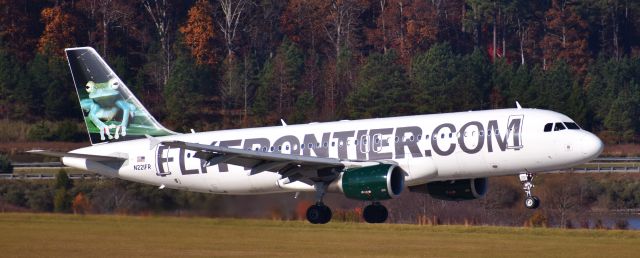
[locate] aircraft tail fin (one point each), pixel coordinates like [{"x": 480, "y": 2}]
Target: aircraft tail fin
[{"x": 111, "y": 111}]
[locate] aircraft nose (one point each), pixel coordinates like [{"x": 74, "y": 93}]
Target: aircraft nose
[{"x": 592, "y": 146}]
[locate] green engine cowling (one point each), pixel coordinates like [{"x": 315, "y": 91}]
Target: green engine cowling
[
  {"x": 378, "y": 182},
  {"x": 454, "y": 190}
]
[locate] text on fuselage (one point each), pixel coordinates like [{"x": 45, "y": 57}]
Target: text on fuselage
[{"x": 373, "y": 144}]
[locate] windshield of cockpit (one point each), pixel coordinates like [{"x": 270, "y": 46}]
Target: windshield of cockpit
[{"x": 559, "y": 126}]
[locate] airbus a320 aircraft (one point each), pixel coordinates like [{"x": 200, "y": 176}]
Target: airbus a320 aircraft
[{"x": 448, "y": 156}]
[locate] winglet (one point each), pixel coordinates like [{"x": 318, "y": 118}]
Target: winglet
[
  {"x": 283, "y": 123},
  {"x": 518, "y": 105}
]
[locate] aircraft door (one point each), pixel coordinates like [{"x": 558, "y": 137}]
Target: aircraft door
[
  {"x": 364, "y": 144},
  {"x": 163, "y": 161},
  {"x": 376, "y": 144}
]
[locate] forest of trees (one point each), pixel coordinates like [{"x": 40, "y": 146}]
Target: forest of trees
[{"x": 210, "y": 64}]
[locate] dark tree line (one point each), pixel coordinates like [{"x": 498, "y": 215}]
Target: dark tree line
[{"x": 210, "y": 64}]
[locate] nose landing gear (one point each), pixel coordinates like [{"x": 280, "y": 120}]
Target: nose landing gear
[{"x": 531, "y": 202}]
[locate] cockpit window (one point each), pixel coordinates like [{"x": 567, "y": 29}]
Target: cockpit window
[
  {"x": 559, "y": 126},
  {"x": 548, "y": 127},
  {"x": 572, "y": 126}
]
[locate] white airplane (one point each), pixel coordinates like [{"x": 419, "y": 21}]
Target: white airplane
[{"x": 448, "y": 156}]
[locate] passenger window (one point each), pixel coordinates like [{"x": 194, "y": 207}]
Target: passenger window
[
  {"x": 411, "y": 138},
  {"x": 287, "y": 147},
  {"x": 548, "y": 127},
  {"x": 442, "y": 135},
  {"x": 572, "y": 126},
  {"x": 333, "y": 144},
  {"x": 324, "y": 144},
  {"x": 559, "y": 126}
]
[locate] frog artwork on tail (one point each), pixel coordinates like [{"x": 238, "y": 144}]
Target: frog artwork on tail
[{"x": 104, "y": 104}]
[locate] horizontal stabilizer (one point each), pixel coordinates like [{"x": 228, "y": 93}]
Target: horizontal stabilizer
[{"x": 77, "y": 155}]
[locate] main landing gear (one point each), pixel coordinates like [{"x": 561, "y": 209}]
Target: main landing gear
[
  {"x": 375, "y": 213},
  {"x": 321, "y": 214},
  {"x": 531, "y": 202}
]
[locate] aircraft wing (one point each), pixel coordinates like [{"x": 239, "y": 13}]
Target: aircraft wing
[
  {"x": 294, "y": 167},
  {"x": 77, "y": 155}
]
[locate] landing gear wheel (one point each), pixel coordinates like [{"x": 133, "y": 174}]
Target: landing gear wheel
[
  {"x": 375, "y": 213},
  {"x": 531, "y": 202},
  {"x": 318, "y": 214}
]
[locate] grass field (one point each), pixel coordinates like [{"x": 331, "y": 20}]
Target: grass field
[{"x": 28, "y": 235}]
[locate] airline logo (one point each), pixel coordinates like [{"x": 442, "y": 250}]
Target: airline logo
[{"x": 374, "y": 144}]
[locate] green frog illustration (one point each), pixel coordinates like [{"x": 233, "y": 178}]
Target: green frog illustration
[{"x": 104, "y": 104}]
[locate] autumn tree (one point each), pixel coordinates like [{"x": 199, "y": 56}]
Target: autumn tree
[
  {"x": 59, "y": 32},
  {"x": 405, "y": 26},
  {"x": 565, "y": 37},
  {"x": 301, "y": 23},
  {"x": 18, "y": 27},
  {"x": 199, "y": 32},
  {"x": 80, "y": 204}
]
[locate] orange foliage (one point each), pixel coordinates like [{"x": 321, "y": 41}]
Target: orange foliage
[
  {"x": 199, "y": 32},
  {"x": 566, "y": 37},
  {"x": 301, "y": 18},
  {"x": 59, "y": 31},
  {"x": 80, "y": 204},
  {"x": 16, "y": 33},
  {"x": 301, "y": 209},
  {"x": 409, "y": 26}
]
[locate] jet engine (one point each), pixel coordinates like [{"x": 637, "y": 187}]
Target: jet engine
[
  {"x": 372, "y": 183},
  {"x": 454, "y": 190}
]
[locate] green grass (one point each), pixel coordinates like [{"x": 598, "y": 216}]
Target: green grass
[
  {"x": 48, "y": 170},
  {"x": 125, "y": 236}
]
